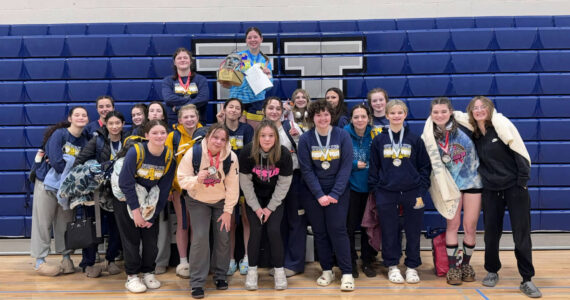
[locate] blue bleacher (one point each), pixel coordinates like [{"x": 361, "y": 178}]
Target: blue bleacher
[
  {"x": 429, "y": 86},
  {"x": 90, "y": 45},
  {"x": 517, "y": 107},
  {"x": 14, "y": 160},
  {"x": 415, "y": 24},
  {"x": 517, "y": 84},
  {"x": 130, "y": 67},
  {"x": 144, "y": 28},
  {"x": 555, "y": 130},
  {"x": 396, "y": 86},
  {"x": 222, "y": 27},
  {"x": 43, "y": 46},
  {"x": 167, "y": 44},
  {"x": 46, "y": 91},
  {"x": 429, "y": 40},
  {"x": 87, "y": 68},
  {"x": 14, "y": 226},
  {"x": 471, "y": 62},
  {"x": 67, "y": 29},
  {"x": 534, "y": 21},
  {"x": 491, "y": 22},
  {"x": 11, "y": 91},
  {"x": 12, "y": 182},
  {"x": 555, "y": 106},
  {"x": 555, "y": 220},
  {"x": 516, "y": 38},
  {"x": 554, "y": 83},
  {"x": 472, "y": 85},
  {"x": 554, "y": 175},
  {"x": 554, "y": 38},
  {"x": 384, "y": 64},
  {"x": 45, "y": 114},
  {"x": 11, "y": 46},
  {"x": 517, "y": 61},
  {"x": 376, "y": 25},
  {"x": 12, "y": 114},
  {"x": 129, "y": 45},
  {"x": 390, "y": 41},
  {"x": 550, "y": 152},
  {"x": 553, "y": 198},
  {"x": 14, "y": 205},
  {"x": 88, "y": 90},
  {"x": 106, "y": 28},
  {"x": 561, "y": 21},
  {"x": 183, "y": 27},
  {"x": 429, "y": 63},
  {"x": 555, "y": 60},
  {"x": 29, "y": 29},
  {"x": 133, "y": 90},
  {"x": 337, "y": 26},
  {"x": 11, "y": 69},
  {"x": 449, "y": 23},
  {"x": 162, "y": 66},
  {"x": 473, "y": 39},
  {"x": 4, "y": 30},
  {"x": 43, "y": 69}
]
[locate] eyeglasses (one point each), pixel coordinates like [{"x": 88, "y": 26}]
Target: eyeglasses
[{"x": 481, "y": 107}]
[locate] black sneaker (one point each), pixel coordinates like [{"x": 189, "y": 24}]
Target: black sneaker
[
  {"x": 368, "y": 270},
  {"x": 528, "y": 288},
  {"x": 197, "y": 293},
  {"x": 221, "y": 284}
]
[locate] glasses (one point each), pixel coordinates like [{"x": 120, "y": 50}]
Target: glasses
[{"x": 481, "y": 107}]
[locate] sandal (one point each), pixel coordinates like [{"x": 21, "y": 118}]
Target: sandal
[
  {"x": 326, "y": 278},
  {"x": 347, "y": 283},
  {"x": 395, "y": 276},
  {"x": 412, "y": 276}
]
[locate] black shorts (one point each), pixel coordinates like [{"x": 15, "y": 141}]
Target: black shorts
[{"x": 472, "y": 191}]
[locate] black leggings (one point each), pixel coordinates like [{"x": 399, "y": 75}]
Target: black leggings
[{"x": 273, "y": 226}]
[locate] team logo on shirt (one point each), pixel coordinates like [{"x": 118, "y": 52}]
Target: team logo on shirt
[
  {"x": 406, "y": 151},
  {"x": 236, "y": 142},
  {"x": 318, "y": 154},
  {"x": 150, "y": 172},
  {"x": 71, "y": 149}
]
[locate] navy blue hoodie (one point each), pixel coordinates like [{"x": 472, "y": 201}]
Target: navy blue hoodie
[
  {"x": 412, "y": 174},
  {"x": 59, "y": 143}
]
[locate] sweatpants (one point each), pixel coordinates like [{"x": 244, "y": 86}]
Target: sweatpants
[
  {"x": 164, "y": 236},
  {"x": 131, "y": 237},
  {"x": 202, "y": 217},
  {"x": 387, "y": 205},
  {"x": 114, "y": 242},
  {"x": 47, "y": 214},
  {"x": 273, "y": 227},
  {"x": 518, "y": 202},
  {"x": 355, "y": 213},
  {"x": 329, "y": 229},
  {"x": 294, "y": 224}
]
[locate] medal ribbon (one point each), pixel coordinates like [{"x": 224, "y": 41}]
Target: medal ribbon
[
  {"x": 396, "y": 148},
  {"x": 445, "y": 147},
  {"x": 326, "y": 147},
  {"x": 185, "y": 85},
  {"x": 212, "y": 159}
]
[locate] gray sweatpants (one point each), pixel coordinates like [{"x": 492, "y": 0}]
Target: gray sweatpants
[
  {"x": 163, "y": 242},
  {"x": 202, "y": 216},
  {"x": 47, "y": 214}
]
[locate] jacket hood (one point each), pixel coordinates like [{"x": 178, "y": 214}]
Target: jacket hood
[
  {"x": 200, "y": 130},
  {"x": 224, "y": 153},
  {"x": 352, "y": 132}
]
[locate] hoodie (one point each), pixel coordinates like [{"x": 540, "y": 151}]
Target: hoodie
[{"x": 361, "y": 151}]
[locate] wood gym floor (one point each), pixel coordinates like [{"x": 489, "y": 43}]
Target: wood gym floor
[{"x": 19, "y": 281}]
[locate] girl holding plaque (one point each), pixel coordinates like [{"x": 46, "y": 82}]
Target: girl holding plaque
[
  {"x": 399, "y": 175},
  {"x": 325, "y": 156},
  {"x": 185, "y": 86}
]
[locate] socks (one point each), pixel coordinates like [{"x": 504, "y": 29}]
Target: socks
[
  {"x": 184, "y": 260},
  {"x": 467, "y": 253},
  {"x": 452, "y": 255},
  {"x": 39, "y": 261}
]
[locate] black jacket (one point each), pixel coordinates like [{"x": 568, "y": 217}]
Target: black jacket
[{"x": 90, "y": 151}]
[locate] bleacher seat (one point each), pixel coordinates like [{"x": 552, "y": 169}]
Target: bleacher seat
[
  {"x": 89, "y": 45},
  {"x": 386, "y": 64},
  {"x": 12, "y": 114},
  {"x": 14, "y": 205},
  {"x": 473, "y": 39},
  {"x": 471, "y": 61},
  {"x": 106, "y": 28},
  {"x": 354, "y": 87},
  {"x": 492, "y": 22},
  {"x": 11, "y": 69},
  {"x": 555, "y": 60},
  {"x": 529, "y": 129},
  {"x": 42, "y": 68},
  {"x": 29, "y": 29},
  {"x": 429, "y": 86},
  {"x": 337, "y": 26},
  {"x": 376, "y": 25},
  {"x": 561, "y": 21},
  {"x": 418, "y": 108},
  {"x": 554, "y": 106},
  {"x": 43, "y": 46},
  {"x": 144, "y": 28},
  {"x": 550, "y": 152},
  {"x": 517, "y": 61},
  {"x": 88, "y": 90},
  {"x": 396, "y": 86},
  {"x": 518, "y": 107},
  {"x": 14, "y": 227},
  {"x": 415, "y": 24},
  {"x": 264, "y": 26},
  {"x": 554, "y": 38},
  {"x": 221, "y": 27},
  {"x": 449, "y": 23},
  {"x": 129, "y": 45},
  {"x": 554, "y": 83},
  {"x": 429, "y": 63},
  {"x": 517, "y": 84},
  {"x": 4, "y": 30},
  {"x": 162, "y": 66},
  {"x": 131, "y": 67},
  {"x": 429, "y": 40},
  {"x": 534, "y": 21},
  {"x": 388, "y": 41},
  {"x": 555, "y": 220},
  {"x": 554, "y": 198},
  {"x": 517, "y": 38},
  {"x": 183, "y": 28},
  {"x": 554, "y": 129},
  {"x": 11, "y": 91},
  {"x": 299, "y": 26},
  {"x": 87, "y": 68},
  {"x": 134, "y": 90},
  {"x": 10, "y": 46},
  {"x": 13, "y": 160},
  {"x": 67, "y": 29},
  {"x": 554, "y": 175},
  {"x": 45, "y": 114},
  {"x": 167, "y": 44},
  {"x": 473, "y": 84},
  {"x": 46, "y": 91}
]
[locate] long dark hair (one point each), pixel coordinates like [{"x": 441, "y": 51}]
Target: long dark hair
[
  {"x": 165, "y": 116},
  {"x": 341, "y": 109},
  {"x": 62, "y": 124},
  {"x": 437, "y": 132},
  {"x": 192, "y": 64},
  {"x": 115, "y": 113},
  {"x": 274, "y": 155}
]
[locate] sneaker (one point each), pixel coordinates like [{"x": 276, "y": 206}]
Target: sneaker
[
  {"x": 491, "y": 279},
  {"x": 159, "y": 270},
  {"x": 251, "y": 279},
  {"x": 150, "y": 281},
  {"x": 112, "y": 268},
  {"x": 454, "y": 276},
  {"x": 288, "y": 272},
  {"x": 232, "y": 268},
  {"x": 135, "y": 285},
  {"x": 280, "y": 279},
  {"x": 67, "y": 266},
  {"x": 93, "y": 271},
  {"x": 528, "y": 288},
  {"x": 183, "y": 271},
  {"x": 197, "y": 293},
  {"x": 46, "y": 269},
  {"x": 467, "y": 273},
  {"x": 368, "y": 270},
  {"x": 243, "y": 265},
  {"x": 221, "y": 284}
]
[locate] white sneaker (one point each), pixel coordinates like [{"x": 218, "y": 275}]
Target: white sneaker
[
  {"x": 150, "y": 281},
  {"x": 280, "y": 279},
  {"x": 135, "y": 285},
  {"x": 183, "y": 270},
  {"x": 251, "y": 279}
]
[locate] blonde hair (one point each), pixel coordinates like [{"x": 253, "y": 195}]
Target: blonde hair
[
  {"x": 396, "y": 102},
  {"x": 188, "y": 107}
]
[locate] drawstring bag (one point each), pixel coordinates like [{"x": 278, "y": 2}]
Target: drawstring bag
[{"x": 440, "y": 262}]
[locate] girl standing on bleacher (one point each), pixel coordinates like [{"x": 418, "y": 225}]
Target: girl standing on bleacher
[
  {"x": 339, "y": 113},
  {"x": 377, "y": 99},
  {"x": 104, "y": 105},
  {"x": 454, "y": 161},
  {"x": 296, "y": 109},
  {"x": 62, "y": 142},
  {"x": 139, "y": 113},
  {"x": 505, "y": 170},
  {"x": 184, "y": 87}
]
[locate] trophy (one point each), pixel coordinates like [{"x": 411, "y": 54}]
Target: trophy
[{"x": 229, "y": 72}]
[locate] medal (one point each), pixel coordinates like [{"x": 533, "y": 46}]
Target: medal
[
  {"x": 213, "y": 168},
  {"x": 397, "y": 162},
  {"x": 183, "y": 85},
  {"x": 446, "y": 158},
  {"x": 325, "y": 165}
]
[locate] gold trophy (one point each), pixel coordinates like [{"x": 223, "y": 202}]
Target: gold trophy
[{"x": 229, "y": 72}]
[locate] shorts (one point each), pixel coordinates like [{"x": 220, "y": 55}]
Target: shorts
[
  {"x": 253, "y": 111},
  {"x": 472, "y": 191}
]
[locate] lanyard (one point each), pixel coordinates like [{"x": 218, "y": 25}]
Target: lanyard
[
  {"x": 325, "y": 153},
  {"x": 185, "y": 85},
  {"x": 396, "y": 148},
  {"x": 113, "y": 151},
  {"x": 212, "y": 159},
  {"x": 445, "y": 147}
]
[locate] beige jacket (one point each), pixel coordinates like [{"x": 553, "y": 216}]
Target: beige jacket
[{"x": 226, "y": 189}]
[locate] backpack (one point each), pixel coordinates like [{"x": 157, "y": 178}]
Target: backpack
[
  {"x": 36, "y": 165},
  {"x": 199, "y": 134},
  {"x": 197, "y": 158}
]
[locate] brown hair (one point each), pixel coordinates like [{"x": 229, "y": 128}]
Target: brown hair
[
  {"x": 374, "y": 91},
  {"x": 437, "y": 132},
  {"x": 300, "y": 110},
  {"x": 215, "y": 127},
  {"x": 150, "y": 124},
  {"x": 490, "y": 108},
  {"x": 105, "y": 97},
  {"x": 274, "y": 155},
  {"x": 366, "y": 109},
  {"x": 316, "y": 107},
  {"x": 341, "y": 109},
  {"x": 192, "y": 65}
]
